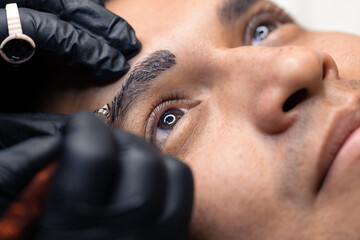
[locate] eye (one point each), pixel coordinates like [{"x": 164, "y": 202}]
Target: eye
[
  {"x": 264, "y": 23},
  {"x": 169, "y": 119},
  {"x": 166, "y": 124},
  {"x": 263, "y": 30},
  {"x": 164, "y": 118}
]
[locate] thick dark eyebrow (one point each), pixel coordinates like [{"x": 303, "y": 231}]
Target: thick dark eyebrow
[
  {"x": 139, "y": 81},
  {"x": 143, "y": 74},
  {"x": 231, "y": 10}
]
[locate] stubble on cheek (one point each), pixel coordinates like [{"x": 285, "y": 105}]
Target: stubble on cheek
[
  {"x": 302, "y": 144},
  {"x": 289, "y": 167},
  {"x": 352, "y": 84}
]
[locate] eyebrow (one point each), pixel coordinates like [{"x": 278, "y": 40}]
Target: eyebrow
[
  {"x": 231, "y": 10},
  {"x": 143, "y": 74},
  {"x": 139, "y": 81}
]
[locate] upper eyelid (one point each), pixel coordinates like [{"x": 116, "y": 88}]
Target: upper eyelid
[{"x": 269, "y": 8}]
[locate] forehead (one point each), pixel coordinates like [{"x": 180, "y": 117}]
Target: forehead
[
  {"x": 144, "y": 14},
  {"x": 151, "y": 18},
  {"x": 163, "y": 24},
  {"x": 147, "y": 12}
]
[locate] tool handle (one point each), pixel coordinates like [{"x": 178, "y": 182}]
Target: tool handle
[{"x": 19, "y": 218}]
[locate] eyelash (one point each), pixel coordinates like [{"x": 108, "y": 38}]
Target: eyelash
[
  {"x": 173, "y": 100},
  {"x": 265, "y": 15}
]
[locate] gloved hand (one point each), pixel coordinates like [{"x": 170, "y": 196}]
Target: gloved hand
[
  {"x": 28, "y": 142},
  {"x": 109, "y": 185},
  {"x": 16, "y": 128},
  {"x": 84, "y": 32}
]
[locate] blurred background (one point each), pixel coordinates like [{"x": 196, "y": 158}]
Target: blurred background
[{"x": 325, "y": 15}]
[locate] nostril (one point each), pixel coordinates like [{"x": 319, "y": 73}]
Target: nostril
[{"x": 295, "y": 99}]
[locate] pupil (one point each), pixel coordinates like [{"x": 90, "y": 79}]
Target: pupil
[
  {"x": 261, "y": 32},
  {"x": 169, "y": 119}
]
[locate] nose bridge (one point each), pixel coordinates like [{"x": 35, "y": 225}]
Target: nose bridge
[{"x": 276, "y": 81}]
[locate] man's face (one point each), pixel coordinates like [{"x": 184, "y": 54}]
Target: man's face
[{"x": 268, "y": 130}]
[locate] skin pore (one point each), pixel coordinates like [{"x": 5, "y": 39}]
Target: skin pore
[{"x": 257, "y": 106}]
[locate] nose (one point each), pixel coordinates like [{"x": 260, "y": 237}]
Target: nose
[{"x": 289, "y": 77}]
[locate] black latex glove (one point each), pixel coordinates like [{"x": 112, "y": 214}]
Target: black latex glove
[
  {"x": 82, "y": 31},
  {"x": 28, "y": 142},
  {"x": 16, "y": 128},
  {"x": 109, "y": 185}
]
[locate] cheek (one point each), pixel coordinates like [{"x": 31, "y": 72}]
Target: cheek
[
  {"x": 344, "y": 48},
  {"x": 234, "y": 188},
  {"x": 348, "y": 60}
]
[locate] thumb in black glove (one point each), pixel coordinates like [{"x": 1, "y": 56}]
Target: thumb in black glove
[{"x": 113, "y": 185}]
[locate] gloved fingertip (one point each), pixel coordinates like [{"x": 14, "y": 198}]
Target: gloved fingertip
[
  {"x": 112, "y": 69},
  {"x": 141, "y": 173},
  {"x": 81, "y": 121},
  {"x": 134, "y": 49},
  {"x": 179, "y": 200},
  {"x": 85, "y": 132},
  {"x": 99, "y": 2},
  {"x": 87, "y": 164},
  {"x": 179, "y": 171}
]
